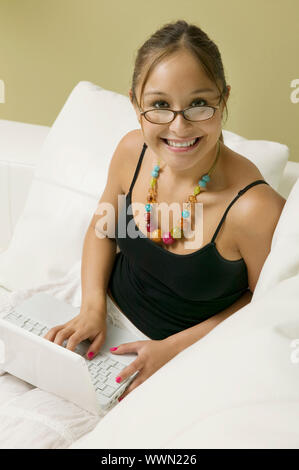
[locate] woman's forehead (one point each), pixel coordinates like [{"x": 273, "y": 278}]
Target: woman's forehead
[{"x": 178, "y": 72}]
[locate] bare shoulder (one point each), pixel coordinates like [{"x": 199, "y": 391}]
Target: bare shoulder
[
  {"x": 254, "y": 218},
  {"x": 258, "y": 210},
  {"x": 260, "y": 197},
  {"x": 131, "y": 146},
  {"x": 133, "y": 137}
]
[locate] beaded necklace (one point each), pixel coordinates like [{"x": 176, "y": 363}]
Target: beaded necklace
[{"x": 177, "y": 232}]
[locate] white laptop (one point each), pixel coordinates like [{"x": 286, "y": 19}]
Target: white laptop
[{"x": 26, "y": 354}]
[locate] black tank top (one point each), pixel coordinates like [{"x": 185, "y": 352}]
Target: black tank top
[{"x": 163, "y": 293}]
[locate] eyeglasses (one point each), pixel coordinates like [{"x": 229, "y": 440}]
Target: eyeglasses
[
  {"x": 165, "y": 116},
  {"x": 194, "y": 113}
]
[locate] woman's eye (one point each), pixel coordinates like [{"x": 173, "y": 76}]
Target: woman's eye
[
  {"x": 200, "y": 100},
  {"x": 196, "y": 102},
  {"x": 158, "y": 103}
]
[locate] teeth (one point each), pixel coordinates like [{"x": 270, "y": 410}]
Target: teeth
[{"x": 181, "y": 144}]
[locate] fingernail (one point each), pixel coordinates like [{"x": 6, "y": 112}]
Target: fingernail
[
  {"x": 118, "y": 379},
  {"x": 113, "y": 349},
  {"x": 90, "y": 354},
  {"x": 120, "y": 399}
]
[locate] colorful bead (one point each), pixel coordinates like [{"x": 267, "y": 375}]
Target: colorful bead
[
  {"x": 206, "y": 178},
  {"x": 155, "y": 174},
  {"x": 202, "y": 183},
  {"x": 147, "y": 216},
  {"x": 152, "y": 192},
  {"x": 167, "y": 238},
  {"x": 176, "y": 232},
  {"x": 185, "y": 214},
  {"x": 153, "y": 182},
  {"x": 156, "y": 168},
  {"x": 196, "y": 190},
  {"x": 156, "y": 236},
  {"x": 150, "y": 227},
  {"x": 192, "y": 199},
  {"x": 148, "y": 207}
]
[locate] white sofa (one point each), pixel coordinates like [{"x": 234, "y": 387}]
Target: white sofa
[{"x": 245, "y": 389}]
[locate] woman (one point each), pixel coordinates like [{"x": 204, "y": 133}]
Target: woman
[{"x": 171, "y": 294}]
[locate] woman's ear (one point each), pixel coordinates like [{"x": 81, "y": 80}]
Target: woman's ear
[
  {"x": 228, "y": 89},
  {"x": 224, "y": 100},
  {"x": 131, "y": 95},
  {"x": 134, "y": 105}
]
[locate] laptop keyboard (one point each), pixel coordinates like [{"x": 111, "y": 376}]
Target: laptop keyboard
[{"x": 103, "y": 369}]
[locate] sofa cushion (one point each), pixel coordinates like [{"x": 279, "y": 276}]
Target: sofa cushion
[
  {"x": 69, "y": 179},
  {"x": 270, "y": 157}
]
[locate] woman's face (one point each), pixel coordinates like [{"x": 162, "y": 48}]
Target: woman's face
[{"x": 176, "y": 79}]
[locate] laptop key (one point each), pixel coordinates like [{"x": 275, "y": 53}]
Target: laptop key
[
  {"x": 100, "y": 386},
  {"x": 17, "y": 322},
  {"x": 35, "y": 331},
  {"x": 115, "y": 370},
  {"x": 110, "y": 362},
  {"x": 100, "y": 377},
  {"x": 111, "y": 382},
  {"x": 108, "y": 391}
]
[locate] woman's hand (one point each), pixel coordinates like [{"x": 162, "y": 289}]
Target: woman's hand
[
  {"x": 152, "y": 355},
  {"x": 90, "y": 323}
]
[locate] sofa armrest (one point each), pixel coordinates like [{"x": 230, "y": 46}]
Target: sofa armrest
[{"x": 20, "y": 145}]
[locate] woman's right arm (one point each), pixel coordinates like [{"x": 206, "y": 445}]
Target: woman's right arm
[{"x": 98, "y": 256}]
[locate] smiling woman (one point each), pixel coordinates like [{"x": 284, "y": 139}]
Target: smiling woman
[{"x": 173, "y": 293}]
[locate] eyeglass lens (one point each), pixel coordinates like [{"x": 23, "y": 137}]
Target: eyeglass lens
[{"x": 196, "y": 113}]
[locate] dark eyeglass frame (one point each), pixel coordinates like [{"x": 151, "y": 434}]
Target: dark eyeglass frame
[{"x": 143, "y": 113}]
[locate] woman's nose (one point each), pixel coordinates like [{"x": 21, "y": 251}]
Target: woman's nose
[{"x": 179, "y": 124}]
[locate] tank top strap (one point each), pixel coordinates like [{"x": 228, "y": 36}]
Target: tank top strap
[
  {"x": 138, "y": 166},
  {"x": 242, "y": 191}
]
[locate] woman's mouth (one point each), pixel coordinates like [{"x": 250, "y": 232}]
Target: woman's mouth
[{"x": 182, "y": 146}]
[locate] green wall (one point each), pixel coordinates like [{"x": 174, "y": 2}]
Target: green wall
[{"x": 48, "y": 46}]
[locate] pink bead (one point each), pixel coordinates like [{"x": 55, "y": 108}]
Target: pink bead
[
  {"x": 147, "y": 216},
  {"x": 167, "y": 238},
  {"x": 150, "y": 227}
]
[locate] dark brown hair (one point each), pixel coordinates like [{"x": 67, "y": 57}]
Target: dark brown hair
[{"x": 171, "y": 38}]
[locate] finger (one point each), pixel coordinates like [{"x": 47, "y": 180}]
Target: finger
[
  {"x": 74, "y": 340},
  {"x": 135, "y": 366},
  {"x": 135, "y": 383},
  {"x": 62, "y": 335},
  {"x": 127, "y": 347},
  {"x": 50, "y": 335},
  {"x": 96, "y": 345}
]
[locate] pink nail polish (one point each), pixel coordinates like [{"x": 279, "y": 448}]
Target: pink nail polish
[
  {"x": 118, "y": 379},
  {"x": 113, "y": 349},
  {"x": 90, "y": 354},
  {"x": 120, "y": 399}
]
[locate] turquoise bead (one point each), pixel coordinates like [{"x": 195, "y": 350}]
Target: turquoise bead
[
  {"x": 155, "y": 174},
  {"x": 202, "y": 183},
  {"x": 148, "y": 207},
  {"x": 156, "y": 168},
  {"x": 185, "y": 214},
  {"x": 206, "y": 178}
]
